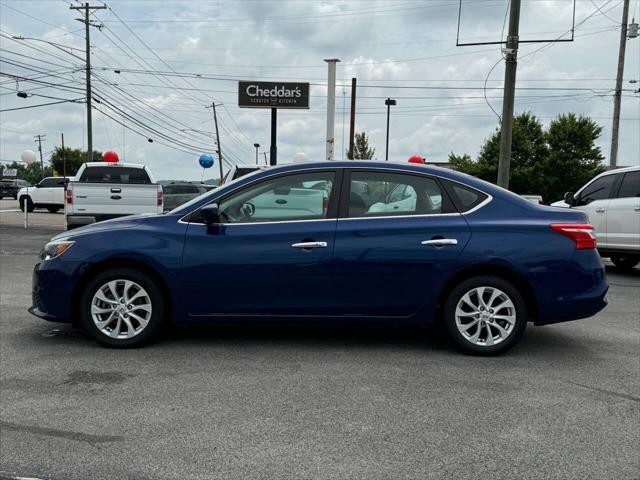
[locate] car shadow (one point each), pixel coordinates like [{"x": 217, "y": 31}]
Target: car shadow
[
  {"x": 631, "y": 272},
  {"x": 548, "y": 342}
]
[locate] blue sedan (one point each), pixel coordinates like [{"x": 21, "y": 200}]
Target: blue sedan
[{"x": 340, "y": 242}]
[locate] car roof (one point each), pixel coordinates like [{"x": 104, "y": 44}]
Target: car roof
[{"x": 620, "y": 170}]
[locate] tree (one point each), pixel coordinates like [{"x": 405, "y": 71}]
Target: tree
[
  {"x": 361, "y": 148},
  {"x": 548, "y": 163},
  {"x": 74, "y": 158},
  {"x": 32, "y": 173},
  {"x": 573, "y": 157}
]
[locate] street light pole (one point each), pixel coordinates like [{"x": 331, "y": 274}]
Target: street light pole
[
  {"x": 388, "y": 102},
  {"x": 257, "y": 145}
]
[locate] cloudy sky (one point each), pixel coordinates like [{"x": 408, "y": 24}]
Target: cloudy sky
[{"x": 174, "y": 57}]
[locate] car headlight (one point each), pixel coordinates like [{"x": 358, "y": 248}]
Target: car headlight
[{"x": 55, "y": 249}]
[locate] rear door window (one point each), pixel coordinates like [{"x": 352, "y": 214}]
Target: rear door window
[
  {"x": 630, "y": 186},
  {"x": 376, "y": 194},
  {"x": 125, "y": 175}
]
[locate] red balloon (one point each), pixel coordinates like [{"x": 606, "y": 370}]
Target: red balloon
[
  {"x": 110, "y": 156},
  {"x": 417, "y": 159}
]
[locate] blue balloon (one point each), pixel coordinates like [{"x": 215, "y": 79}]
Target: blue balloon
[{"x": 206, "y": 160}]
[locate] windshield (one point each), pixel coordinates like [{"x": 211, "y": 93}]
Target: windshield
[{"x": 186, "y": 207}]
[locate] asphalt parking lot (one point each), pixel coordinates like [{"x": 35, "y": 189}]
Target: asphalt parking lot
[{"x": 313, "y": 403}]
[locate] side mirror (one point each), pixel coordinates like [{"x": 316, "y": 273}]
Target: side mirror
[
  {"x": 211, "y": 214},
  {"x": 569, "y": 198}
]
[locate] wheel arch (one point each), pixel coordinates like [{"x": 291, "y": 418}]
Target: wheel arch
[
  {"x": 499, "y": 271},
  {"x": 120, "y": 262}
]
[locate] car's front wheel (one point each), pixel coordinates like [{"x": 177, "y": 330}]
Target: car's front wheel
[
  {"x": 122, "y": 307},
  {"x": 485, "y": 315},
  {"x": 625, "y": 262}
]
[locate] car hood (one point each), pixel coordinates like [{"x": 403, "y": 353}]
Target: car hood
[{"x": 121, "y": 223}]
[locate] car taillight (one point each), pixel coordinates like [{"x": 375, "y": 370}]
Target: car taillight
[
  {"x": 540, "y": 202},
  {"x": 325, "y": 203},
  {"x": 68, "y": 194},
  {"x": 160, "y": 197},
  {"x": 581, "y": 233}
]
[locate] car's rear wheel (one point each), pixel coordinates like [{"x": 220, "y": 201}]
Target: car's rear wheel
[
  {"x": 625, "y": 262},
  {"x": 122, "y": 307},
  {"x": 485, "y": 315},
  {"x": 25, "y": 202}
]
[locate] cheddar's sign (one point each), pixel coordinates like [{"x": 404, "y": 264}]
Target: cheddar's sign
[{"x": 273, "y": 94}]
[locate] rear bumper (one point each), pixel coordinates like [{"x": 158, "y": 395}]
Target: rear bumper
[{"x": 576, "y": 307}]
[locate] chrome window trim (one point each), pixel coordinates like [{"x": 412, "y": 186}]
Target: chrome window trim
[{"x": 474, "y": 209}]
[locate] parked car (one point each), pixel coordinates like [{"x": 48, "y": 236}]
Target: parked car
[
  {"x": 483, "y": 260},
  {"x": 102, "y": 191},
  {"x": 612, "y": 202},
  {"x": 238, "y": 171},
  {"x": 535, "y": 199},
  {"x": 10, "y": 188},
  {"x": 48, "y": 193},
  {"x": 177, "y": 193}
]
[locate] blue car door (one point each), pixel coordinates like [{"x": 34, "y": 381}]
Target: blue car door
[
  {"x": 397, "y": 235},
  {"x": 271, "y": 253}
]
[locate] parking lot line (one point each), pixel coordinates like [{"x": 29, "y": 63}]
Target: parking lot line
[{"x": 5, "y": 211}]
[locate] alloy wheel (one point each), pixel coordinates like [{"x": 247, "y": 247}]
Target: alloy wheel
[
  {"x": 121, "y": 309},
  {"x": 485, "y": 316}
]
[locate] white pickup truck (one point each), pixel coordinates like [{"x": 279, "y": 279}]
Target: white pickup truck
[{"x": 102, "y": 190}]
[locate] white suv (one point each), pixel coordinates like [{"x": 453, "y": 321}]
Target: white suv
[
  {"x": 612, "y": 202},
  {"x": 48, "y": 193}
]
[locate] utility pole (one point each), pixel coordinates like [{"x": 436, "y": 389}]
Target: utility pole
[
  {"x": 218, "y": 148},
  {"x": 388, "y": 102},
  {"x": 511, "y": 62},
  {"x": 257, "y": 145},
  {"x": 273, "y": 148},
  {"x": 87, "y": 11},
  {"x": 617, "y": 97},
  {"x": 39, "y": 138},
  {"x": 64, "y": 160},
  {"x": 331, "y": 106},
  {"x": 352, "y": 123}
]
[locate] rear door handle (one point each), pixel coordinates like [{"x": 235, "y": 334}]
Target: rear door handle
[
  {"x": 440, "y": 241},
  {"x": 116, "y": 190},
  {"x": 309, "y": 245},
  {"x": 600, "y": 210},
  {"x": 637, "y": 209}
]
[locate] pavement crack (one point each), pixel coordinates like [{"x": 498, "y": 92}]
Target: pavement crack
[
  {"x": 626, "y": 396},
  {"x": 52, "y": 432}
]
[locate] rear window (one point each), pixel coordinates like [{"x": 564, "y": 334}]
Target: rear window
[{"x": 115, "y": 175}]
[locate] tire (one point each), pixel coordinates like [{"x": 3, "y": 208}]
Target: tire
[
  {"x": 462, "y": 303},
  {"x": 53, "y": 209},
  {"x": 625, "y": 262},
  {"x": 29, "y": 204},
  {"x": 98, "y": 303}
]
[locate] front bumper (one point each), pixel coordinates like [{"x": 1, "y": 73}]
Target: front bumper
[{"x": 51, "y": 293}]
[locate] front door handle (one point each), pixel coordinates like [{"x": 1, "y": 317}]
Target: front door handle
[
  {"x": 600, "y": 210},
  {"x": 309, "y": 245},
  {"x": 439, "y": 242}
]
